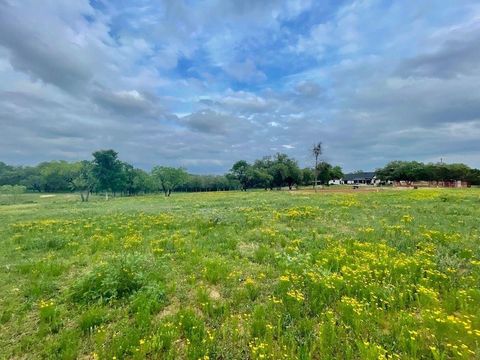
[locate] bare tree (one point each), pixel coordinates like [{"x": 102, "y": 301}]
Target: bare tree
[{"x": 317, "y": 151}]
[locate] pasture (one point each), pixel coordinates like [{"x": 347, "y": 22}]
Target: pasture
[{"x": 255, "y": 275}]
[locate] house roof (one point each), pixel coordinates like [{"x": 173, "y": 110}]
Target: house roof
[{"x": 359, "y": 176}]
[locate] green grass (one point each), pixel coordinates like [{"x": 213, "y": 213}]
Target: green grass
[{"x": 256, "y": 275}]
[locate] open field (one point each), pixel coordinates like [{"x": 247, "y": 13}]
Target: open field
[{"x": 256, "y": 275}]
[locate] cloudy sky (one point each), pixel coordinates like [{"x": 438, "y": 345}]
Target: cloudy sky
[{"x": 201, "y": 84}]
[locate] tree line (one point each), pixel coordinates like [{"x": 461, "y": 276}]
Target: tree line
[
  {"x": 280, "y": 170},
  {"x": 412, "y": 171},
  {"x": 107, "y": 174}
]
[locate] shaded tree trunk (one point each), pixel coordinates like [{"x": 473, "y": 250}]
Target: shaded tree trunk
[{"x": 84, "y": 195}]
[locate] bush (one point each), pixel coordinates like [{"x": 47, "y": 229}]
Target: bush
[{"x": 117, "y": 279}]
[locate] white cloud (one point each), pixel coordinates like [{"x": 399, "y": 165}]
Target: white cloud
[
  {"x": 204, "y": 84},
  {"x": 245, "y": 71}
]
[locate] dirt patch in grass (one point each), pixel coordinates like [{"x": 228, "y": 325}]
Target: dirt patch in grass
[{"x": 214, "y": 294}]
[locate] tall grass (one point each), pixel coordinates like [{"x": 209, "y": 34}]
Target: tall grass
[{"x": 261, "y": 275}]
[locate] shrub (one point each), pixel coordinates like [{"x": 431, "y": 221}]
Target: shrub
[{"x": 116, "y": 279}]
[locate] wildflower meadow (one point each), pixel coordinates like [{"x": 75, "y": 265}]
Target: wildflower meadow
[{"x": 243, "y": 275}]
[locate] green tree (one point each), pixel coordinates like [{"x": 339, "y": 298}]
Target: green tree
[
  {"x": 336, "y": 173},
  {"x": 284, "y": 171},
  {"x": 31, "y": 178},
  {"x": 458, "y": 172},
  {"x": 10, "y": 175},
  {"x": 324, "y": 171},
  {"x": 401, "y": 171},
  {"x": 56, "y": 176},
  {"x": 242, "y": 172},
  {"x": 106, "y": 170},
  {"x": 140, "y": 181},
  {"x": 84, "y": 180},
  {"x": 474, "y": 177},
  {"x": 411, "y": 171},
  {"x": 169, "y": 178},
  {"x": 307, "y": 176},
  {"x": 262, "y": 176},
  {"x": 328, "y": 172},
  {"x": 294, "y": 174}
]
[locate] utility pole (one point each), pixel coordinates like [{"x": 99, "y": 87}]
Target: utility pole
[{"x": 317, "y": 151}]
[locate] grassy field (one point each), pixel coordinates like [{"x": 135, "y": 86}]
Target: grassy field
[{"x": 256, "y": 275}]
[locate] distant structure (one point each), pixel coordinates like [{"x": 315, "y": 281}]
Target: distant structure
[
  {"x": 357, "y": 178},
  {"x": 370, "y": 178},
  {"x": 360, "y": 178}
]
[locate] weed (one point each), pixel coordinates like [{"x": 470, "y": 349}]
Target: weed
[
  {"x": 92, "y": 318},
  {"x": 116, "y": 279}
]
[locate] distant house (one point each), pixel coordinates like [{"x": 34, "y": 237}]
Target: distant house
[
  {"x": 335, "y": 182},
  {"x": 367, "y": 178}
]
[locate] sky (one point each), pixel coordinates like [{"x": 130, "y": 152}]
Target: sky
[{"x": 202, "y": 84}]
